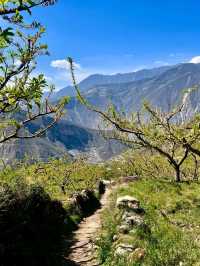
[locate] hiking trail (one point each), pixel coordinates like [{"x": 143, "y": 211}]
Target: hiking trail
[{"x": 82, "y": 252}]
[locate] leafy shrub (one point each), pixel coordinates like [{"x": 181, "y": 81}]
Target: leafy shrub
[
  {"x": 84, "y": 204},
  {"x": 33, "y": 228}
]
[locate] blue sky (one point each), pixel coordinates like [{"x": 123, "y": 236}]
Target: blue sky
[{"x": 111, "y": 36}]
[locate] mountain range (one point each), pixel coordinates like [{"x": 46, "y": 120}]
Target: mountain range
[
  {"x": 99, "y": 79},
  {"x": 78, "y": 131},
  {"x": 162, "y": 87}
]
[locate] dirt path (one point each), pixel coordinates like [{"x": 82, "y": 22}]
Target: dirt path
[{"x": 82, "y": 252}]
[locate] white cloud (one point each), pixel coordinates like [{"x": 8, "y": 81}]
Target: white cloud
[
  {"x": 195, "y": 60},
  {"x": 63, "y": 71},
  {"x": 161, "y": 63},
  {"x": 63, "y": 64}
]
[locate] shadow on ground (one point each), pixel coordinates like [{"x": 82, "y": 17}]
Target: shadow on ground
[{"x": 70, "y": 263}]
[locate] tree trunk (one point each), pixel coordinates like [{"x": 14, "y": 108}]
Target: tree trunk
[
  {"x": 195, "y": 176},
  {"x": 178, "y": 173}
]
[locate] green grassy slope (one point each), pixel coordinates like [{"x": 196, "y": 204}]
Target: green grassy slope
[{"x": 172, "y": 213}]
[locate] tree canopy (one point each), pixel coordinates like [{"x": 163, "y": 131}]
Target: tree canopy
[{"x": 21, "y": 90}]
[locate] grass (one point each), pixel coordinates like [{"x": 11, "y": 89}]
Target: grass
[{"x": 173, "y": 238}]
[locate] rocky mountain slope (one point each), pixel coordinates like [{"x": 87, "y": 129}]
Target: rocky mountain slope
[
  {"x": 78, "y": 131},
  {"x": 63, "y": 139},
  {"x": 99, "y": 79},
  {"x": 164, "y": 90}
]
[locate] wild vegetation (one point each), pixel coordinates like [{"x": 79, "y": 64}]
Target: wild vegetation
[
  {"x": 169, "y": 235},
  {"x": 59, "y": 178},
  {"x": 172, "y": 213},
  {"x": 40, "y": 205}
]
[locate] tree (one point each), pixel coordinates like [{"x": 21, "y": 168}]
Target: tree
[
  {"x": 21, "y": 92},
  {"x": 166, "y": 133},
  {"x": 15, "y": 6}
]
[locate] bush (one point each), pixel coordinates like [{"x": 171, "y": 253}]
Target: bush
[
  {"x": 33, "y": 228},
  {"x": 84, "y": 204}
]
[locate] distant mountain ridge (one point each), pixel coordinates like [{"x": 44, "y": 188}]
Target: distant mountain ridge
[
  {"x": 78, "y": 131},
  {"x": 164, "y": 90},
  {"x": 100, "y": 79}
]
